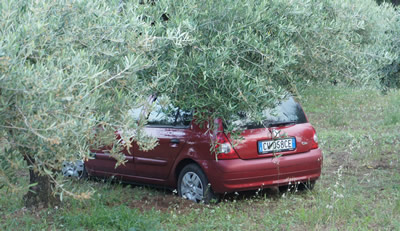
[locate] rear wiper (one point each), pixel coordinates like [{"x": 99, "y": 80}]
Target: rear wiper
[{"x": 281, "y": 123}]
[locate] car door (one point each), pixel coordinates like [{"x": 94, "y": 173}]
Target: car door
[
  {"x": 103, "y": 164},
  {"x": 171, "y": 126}
]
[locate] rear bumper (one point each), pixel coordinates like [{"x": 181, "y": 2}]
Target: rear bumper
[{"x": 240, "y": 175}]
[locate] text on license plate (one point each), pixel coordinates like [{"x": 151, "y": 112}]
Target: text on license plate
[{"x": 280, "y": 145}]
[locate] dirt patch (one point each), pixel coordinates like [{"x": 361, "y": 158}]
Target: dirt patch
[
  {"x": 20, "y": 214},
  {"x": 333, "y": 160},
  {"x": 385, "y": 162},
  {"x": 164, "y": 203},
  {"x": 170, "y": 202}
]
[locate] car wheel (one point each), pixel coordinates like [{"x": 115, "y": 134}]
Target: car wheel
[
  {"x": 193, "y": 185},
  {"x": 74, "y": 169}
]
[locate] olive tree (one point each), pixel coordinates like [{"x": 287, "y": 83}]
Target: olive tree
[
  {"x": 70, "y": 68},
  {"x": 71, "y": 71},
  {"x": 66, "y": 68}
]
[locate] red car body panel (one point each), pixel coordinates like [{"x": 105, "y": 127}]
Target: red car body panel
[
  {"x": 238, "y": 174},
  {"x": 191, "y": 144},
  {"x": 247, "y": 149}
]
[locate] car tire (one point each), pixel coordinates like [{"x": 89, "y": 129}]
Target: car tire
[
  {"x": 75, "y": 169},
  {"x": 193, "y": 185}
]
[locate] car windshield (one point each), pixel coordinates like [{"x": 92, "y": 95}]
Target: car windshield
[{"x": 287, "y": 112}]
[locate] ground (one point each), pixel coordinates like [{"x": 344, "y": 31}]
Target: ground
[{"x": 359, "y": 189}]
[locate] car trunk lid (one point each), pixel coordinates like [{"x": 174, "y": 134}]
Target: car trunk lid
[{"x": 300, "y": 138}]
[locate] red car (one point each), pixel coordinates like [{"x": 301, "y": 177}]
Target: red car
[{"x": 281, "y": 151}]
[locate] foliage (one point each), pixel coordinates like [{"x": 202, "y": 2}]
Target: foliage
[
  {"x": 232, "y": 53},
  {"x": 391, "y": 73},
  {"x": 67, "y": 69},
  {"x": 280, "y": 42},
  {"x": 352, "y": 44}
]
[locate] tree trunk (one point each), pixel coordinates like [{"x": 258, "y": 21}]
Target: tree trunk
[{"x": 39, "y": 195}]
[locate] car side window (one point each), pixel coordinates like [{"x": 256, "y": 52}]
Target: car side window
[
  {"x": 183, "y": 118},
  {"x": 162, "y": 115},
  {"x": 136, "y": 112}
]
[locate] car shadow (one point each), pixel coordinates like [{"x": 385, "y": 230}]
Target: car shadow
[{"x": 274, "y": 193}]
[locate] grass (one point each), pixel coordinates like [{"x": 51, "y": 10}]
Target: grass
[{"x": 358, "y": 190}]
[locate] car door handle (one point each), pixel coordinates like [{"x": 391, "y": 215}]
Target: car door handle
[{"x": 174, "y": 141}]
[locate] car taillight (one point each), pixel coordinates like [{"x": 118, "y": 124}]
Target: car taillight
[
  {"x": 314, "y": 143},
  {"x": 224, "y": 148}
]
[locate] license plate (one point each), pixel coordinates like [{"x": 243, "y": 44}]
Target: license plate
[{"x": 280, "y": 145}]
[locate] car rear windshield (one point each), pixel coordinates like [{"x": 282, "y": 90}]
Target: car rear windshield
[{"x": 286, "y": 112}]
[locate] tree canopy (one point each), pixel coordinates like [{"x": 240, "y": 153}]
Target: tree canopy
[{"x": 68, "y": 68}]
